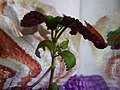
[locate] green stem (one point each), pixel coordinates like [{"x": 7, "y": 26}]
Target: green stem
[
  {"x": 57, "y": 30},
  {"x": 53, "y": 57},
  {"x": 56, "y": 33},
  {"x": 61, "y": 33},
  {"x": 42, "y": 77},
  {"x": 52, "y": 34},
  {"x": 52, "y": 71}
]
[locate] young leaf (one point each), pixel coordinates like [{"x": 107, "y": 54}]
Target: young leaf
[
  {"x": 69, "y": 59},
  {"x": 64, "y": 44},
  {"x": 48, "y": 43},
  {"x": 54, "y": 86},
  {"x": 111, "y": 35},
  {"x": 58, "y": 48},
  {"x": 52, "y": 22}
]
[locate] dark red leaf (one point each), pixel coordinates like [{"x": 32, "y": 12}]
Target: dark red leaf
[
  {"x": 88, "y": 32},
  {"x": 95, "y": 37},
  {"x": 72, "y": 23},
  {"x": 32, "y": 18}
]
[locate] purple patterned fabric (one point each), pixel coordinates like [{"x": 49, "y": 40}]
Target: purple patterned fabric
[
  {"x": 94, "y": 82},
  {"x": 114, "y": 88}
]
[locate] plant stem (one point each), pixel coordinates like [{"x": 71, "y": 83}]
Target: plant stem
[
  {"x": 42, "y": 77},
  {"x": 61, "y": 33},
  {"x": 52, "y": 67},
  {"x": 53, "y": 55},
  {"x": 52, "y": 70},
  {"x": 57, "y": 30},
  {"x": 52, "y": 34}
]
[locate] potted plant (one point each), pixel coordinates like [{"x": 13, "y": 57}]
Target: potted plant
[{"x": 57, "y": 25}]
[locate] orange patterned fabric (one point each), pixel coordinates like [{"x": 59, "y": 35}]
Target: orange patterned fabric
[
  {"x": 5, "y": 73},
  {"x": 112, "y": 68},
  {"x": 9, "y": 48}
]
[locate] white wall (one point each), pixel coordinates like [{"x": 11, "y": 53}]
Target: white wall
[
  {"x": 68, "y": 7},
  {"x": 92, "y": 10}
]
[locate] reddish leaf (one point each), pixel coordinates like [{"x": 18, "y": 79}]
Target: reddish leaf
[
  {"x": 95, "y": 37},
  {"x": 32, "y": 18}
]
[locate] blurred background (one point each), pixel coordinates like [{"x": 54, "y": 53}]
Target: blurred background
[{"x": 102, "y": 14}]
